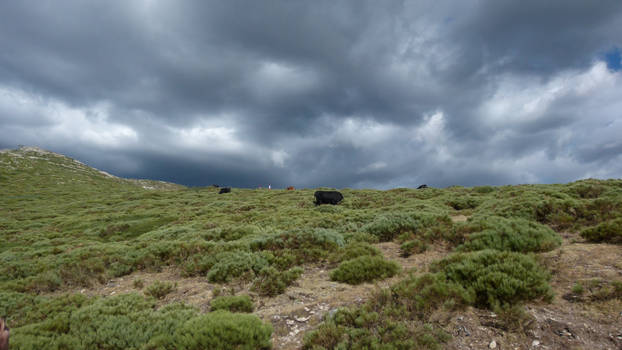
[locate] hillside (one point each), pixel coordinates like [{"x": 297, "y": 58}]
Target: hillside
[{"x": 89, "y": 260}]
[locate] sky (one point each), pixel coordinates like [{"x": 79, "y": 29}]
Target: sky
[{"x": 342, "y": 94}]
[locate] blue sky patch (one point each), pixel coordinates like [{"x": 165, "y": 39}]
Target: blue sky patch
[{"x": 613, "y": 58}]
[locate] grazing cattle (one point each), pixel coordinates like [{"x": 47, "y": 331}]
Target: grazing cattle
[
  {"x": 224, "y": 190},
  {"x": 5, "y": 332},
  {"x": 422, "y": 186},
  {"x": 290, "y": 188},
  {"x": 327, "y": 197}
]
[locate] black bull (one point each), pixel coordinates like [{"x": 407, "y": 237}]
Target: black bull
[{"x": 327, "y": 197}]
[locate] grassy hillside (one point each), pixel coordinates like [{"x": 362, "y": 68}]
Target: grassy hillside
[{"x": 65, "y": 227}]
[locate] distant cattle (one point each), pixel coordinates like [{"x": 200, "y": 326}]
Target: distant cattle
[
  {"x": 290, "y": 188},
  {"x": 422, "y": 186},
  {"x": 224, "y": 190},
  {"x": 327, "y": 197}
]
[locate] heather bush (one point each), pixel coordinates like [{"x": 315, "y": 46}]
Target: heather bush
[
  {"x": 609, "y": 232},
  {"x": 496, "y": 277},
  {"x": 415, "y": 246},
  {"x": 271, "y": 281},
  {"x": 160, "y": 289},
  {"x": 364, "y": 269},
  {"x": 237, "y": 303},
  {"x": 387, "y": 227},
  {"x": 223, "y": 330},
  {"x": 517, "y": 235},
  {"x": 354, "y": 250},
  {"x": 234, "y": 264}
]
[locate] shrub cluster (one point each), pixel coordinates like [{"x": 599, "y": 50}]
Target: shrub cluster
[
  {"x": 160, "y": 289},
  {"x": 387, "y": 227},
  {"x": 271, "y": 281},
  {"x": 415, "y": 246},
  {"x": 497, "y": 277},
  {"x": 234, "y": 264},
  {"x": 307, "y": 245},
  {"x": 384, "y": 322},
  {"x": 354, "y": 250},
  {"x": 517, "y": 235},
  {"x": 609, "y": 232},
  {"x": 237, "y": 303},
  {"x": 364, "y": 269},
  {"x": 132, "y": 322},
  {"x": 223, "y": 330}
]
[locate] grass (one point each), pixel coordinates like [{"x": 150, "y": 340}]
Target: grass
[{"x": 65, "y": 226}]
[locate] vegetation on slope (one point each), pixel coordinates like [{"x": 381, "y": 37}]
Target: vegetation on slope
[{"x": 64, "y": 225}]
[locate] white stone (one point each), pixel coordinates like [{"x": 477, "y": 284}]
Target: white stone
[{"x": 493, "y": 345}]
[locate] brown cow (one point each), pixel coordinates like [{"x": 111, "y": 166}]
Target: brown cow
[{"x": 290, "y": 188}]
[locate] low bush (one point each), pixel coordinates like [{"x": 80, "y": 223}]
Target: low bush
[
  {"x": 517, "y": 235},
  {"x": 464, "y": 202},
  {"x": 271, "y": 282},
  {"x": 609, "y": 232},
  {"x": 415, "y": 246},
  {"x": 354, "y": 250},
  {"x": 234, "y": 264},
  {"x": 160, "y": 289},
  {"x": 223, "y": 330},
  {"x": 364, "y": 269},
  {"x": 496, "y": 277},
  {"x": 238, "y": 303},
  {"x": 366, "y": 328},
  {"x": 307, "y": 245},
  {"x": 424, "y": 294},
  {"x": 387, "y": 227}
]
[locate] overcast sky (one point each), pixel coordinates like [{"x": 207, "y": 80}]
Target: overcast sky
[{"x": 359, "y": 94}]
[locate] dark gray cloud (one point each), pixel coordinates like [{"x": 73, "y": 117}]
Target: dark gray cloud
[{"x": 343, "y": 94}]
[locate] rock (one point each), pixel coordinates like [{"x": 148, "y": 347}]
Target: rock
[
  {"x": 535, "y": 343},
  {"x": 492, "y": 345},
  {"x": 302, "y": 319}
]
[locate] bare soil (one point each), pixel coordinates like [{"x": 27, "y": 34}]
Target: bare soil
[{"x": 562, "y": 324}]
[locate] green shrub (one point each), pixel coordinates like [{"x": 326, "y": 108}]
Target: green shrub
[
  {"x": 424, "y": 294},
  {"x": 415, "y": 246},
  {"x": 307, "y": 245},
  {"x": 224, "y": 330},
  {"x": 115, "y": 323},
  {"x": 138, "y": 283},
  {"x": 464, "y": 202},
  {"x": 354, "y": 250},
  {"x": 230, "y": 265},
  {"x": 518, "y": 235},
  {"x": 160, "y": 289},
  {"x": 483, "y": 189},
  {"x": 238, "y": 303},
  {"x": 387, "y": 227},
  {"x": 366, "y": 328},
  {"x": 364, "y": 269},
  {"x": 609, "y": 231},
  {"x": 272, "y": 282},
  {"x": 577, "y": 288},
  {"x": 497, "y": 278}
]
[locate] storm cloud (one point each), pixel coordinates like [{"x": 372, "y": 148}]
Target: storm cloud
[{"x": 361, "y": 94}]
